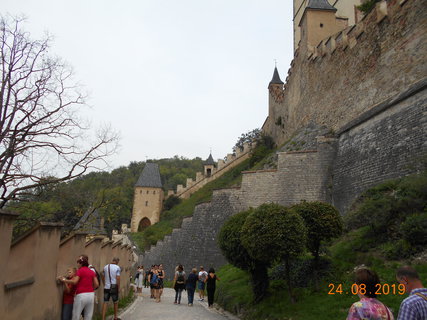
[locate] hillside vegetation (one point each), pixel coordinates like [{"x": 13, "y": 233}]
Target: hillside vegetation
[
  {"x": 111, "y": 192},
  {"x": 386, "y": 228}
]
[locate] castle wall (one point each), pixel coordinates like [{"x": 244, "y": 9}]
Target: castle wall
[
  {"x": 381, "y": 146},
  {"x": 368, "y": 85},
  {"x": 31, "y": 264},
  {"x": 223, "y": 166},
  {"x": 353, "y": 70},
  {"x": 194, "y": 244}
]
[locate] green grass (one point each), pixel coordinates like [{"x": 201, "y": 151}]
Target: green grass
[
  {"x": 234, "y": 292},
  {"x": 123, "y": 303}
]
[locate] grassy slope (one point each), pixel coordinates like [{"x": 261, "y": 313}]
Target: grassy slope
[{"x": 234, "y": 290}]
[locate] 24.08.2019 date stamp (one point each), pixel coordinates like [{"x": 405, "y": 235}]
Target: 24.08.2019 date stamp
[{"x": 380, "y": 289}]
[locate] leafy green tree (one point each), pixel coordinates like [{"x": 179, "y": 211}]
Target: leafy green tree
[
  {"x": 323, "y": 222},
  {"x": 229, "y": 240},
  {"x": 247, "y": 137},
  {"x": 274, "y": 233}
]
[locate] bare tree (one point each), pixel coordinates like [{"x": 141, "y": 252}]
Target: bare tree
[{"x": 42, "y": 140}]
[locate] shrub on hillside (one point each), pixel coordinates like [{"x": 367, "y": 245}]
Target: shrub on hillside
[
  {"x": 384, "y": 207},
  {"x": 171, "y": 202},
  {"x": 323, "y": 222},
  {"x": 274, "y": 233},
  {"x": 229, "y": 240},
  {"x": 414, "y": 229},
  {"x": 264, "y": 145}
]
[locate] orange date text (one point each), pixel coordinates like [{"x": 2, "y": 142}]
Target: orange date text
[{"x": 380, "y": 289}]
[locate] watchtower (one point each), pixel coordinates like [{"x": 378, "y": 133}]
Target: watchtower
[
  {"x": 148, "y": 198},
  {"x": 209, "y": 166}
]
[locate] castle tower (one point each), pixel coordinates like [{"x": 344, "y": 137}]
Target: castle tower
[
  {"x": 275, "y": 88},
  {"x": 321, "y": 12},
  {"x": 148, "y": 198},
  {"x": 209, "y": 166}
]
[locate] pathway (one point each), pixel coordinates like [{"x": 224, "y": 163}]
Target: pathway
[{"x": 145, "y": 308}]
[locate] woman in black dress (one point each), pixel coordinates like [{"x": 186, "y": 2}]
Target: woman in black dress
[{"x": 211, "y": 285}]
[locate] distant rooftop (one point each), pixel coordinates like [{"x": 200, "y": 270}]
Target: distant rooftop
[
  {"x": 150, "y": 176},
  {"x": 320, "y": 5},
  {"x": 90, "y": 223},
  {"x": 276, "y": 78},
  {"x": 210, "y": 160}
]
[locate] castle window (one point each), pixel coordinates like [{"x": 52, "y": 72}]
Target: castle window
[
  {"x": 321, "y": 25},
  {"x": 140, "y": 192},
  {"x": 148, "y": 191},
  {"x": 146, "y": 203},
  {"x": 154, "y": 192}
]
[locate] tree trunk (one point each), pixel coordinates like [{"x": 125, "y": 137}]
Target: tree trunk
[
  {"x": 288, "y": 281},
  {"x": 260, "y": 282}
]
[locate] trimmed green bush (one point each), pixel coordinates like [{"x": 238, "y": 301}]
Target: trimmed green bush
[{"x": 273, "y": 233}]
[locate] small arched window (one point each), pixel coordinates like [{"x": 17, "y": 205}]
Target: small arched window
[{"x": 146, "y": 203}]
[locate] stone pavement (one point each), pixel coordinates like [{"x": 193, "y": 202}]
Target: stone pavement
[{"x": 145, "y": 308}]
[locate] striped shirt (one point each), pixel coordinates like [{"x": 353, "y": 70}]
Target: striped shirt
[{"x": 414, "y": 307}]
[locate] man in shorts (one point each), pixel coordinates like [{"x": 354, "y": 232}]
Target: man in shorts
[
  {"x": 201, "y": 285},
  {"x": 111, "y": 279}
]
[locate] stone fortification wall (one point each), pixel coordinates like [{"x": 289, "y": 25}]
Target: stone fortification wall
[
  {"x": 231, "y": 161},
  {"x": 352, "y": 71},
  {"x": 31, "y": 264},
  {"x": 194, "y": 244},
  {"x": 388, "y": 142}
]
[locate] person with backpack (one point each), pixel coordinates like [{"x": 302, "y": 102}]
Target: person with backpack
[
  {"x": 179, "y": 283},
  {"x": 201, "y": 285},
  {"x": 154, "y": 283}
]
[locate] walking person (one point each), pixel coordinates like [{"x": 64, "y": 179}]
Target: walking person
[
  {"x": 162, "y": 275},
  {"x": 414, "y": 307},
  {"x": 203, "y": 275},
  {"x": 68, "y": 295},
  {"x": 111, "y": 278},
  {"x": 85, "y": 280},
  {"x": 211, "y": 286},
  {"x": 154, "y": 283},
  {"x": 191, "y": 286},
  {"x": 139, "y": 278},
  {"x": 179, "y": 283},
  {"x": 368, "y": 307}
]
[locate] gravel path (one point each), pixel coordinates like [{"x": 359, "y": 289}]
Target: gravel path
[{"x": 145, "y": 308}]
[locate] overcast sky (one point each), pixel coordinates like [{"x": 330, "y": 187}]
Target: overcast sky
[{"x": 173, "y": 77}]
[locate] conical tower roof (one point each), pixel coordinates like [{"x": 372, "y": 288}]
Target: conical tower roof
[
  {"x": 210, "y": 160},
  {"x": 150, "y": 176},
  {"x": 276, "y": 78}
]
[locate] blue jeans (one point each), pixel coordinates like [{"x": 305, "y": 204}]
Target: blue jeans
[
  {"x": 190, "y": 294},
  {"x": 178, "y": 293},
  {"x": 67, "y": 311}
]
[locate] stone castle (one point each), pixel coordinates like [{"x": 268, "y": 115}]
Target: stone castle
[{"x": 366, "y": 84}]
